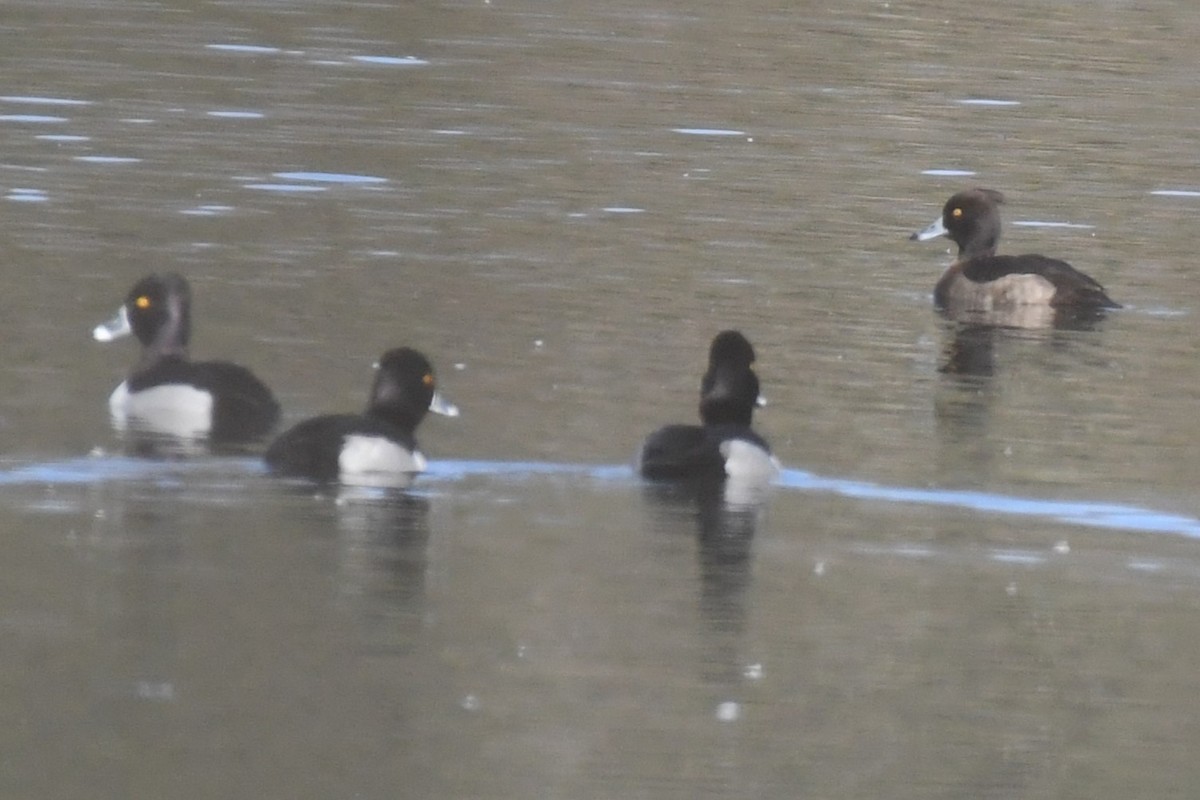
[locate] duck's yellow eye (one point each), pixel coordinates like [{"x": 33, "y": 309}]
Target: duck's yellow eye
[
  {"x": 142, "y": 302},
  {"x": 427, "y": 379},
  {"x": 956, "y": 213}
]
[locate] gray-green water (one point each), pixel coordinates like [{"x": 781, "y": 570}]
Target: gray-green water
[{"x": 561, "y": 203}]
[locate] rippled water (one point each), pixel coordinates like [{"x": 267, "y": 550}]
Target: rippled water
[{"x": 977, "y": 577}]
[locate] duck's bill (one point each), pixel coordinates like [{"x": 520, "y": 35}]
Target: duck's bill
[
  {"x": 440, "y": 405},
  {"x": 115, "y": 328},
  {"x": 934, "y": 230}
]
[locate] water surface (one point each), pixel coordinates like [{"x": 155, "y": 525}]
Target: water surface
[{"x": 978, "y": 576}]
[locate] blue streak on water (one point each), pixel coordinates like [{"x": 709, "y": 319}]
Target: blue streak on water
[
  {"x": 91, "y": 470},
  {"x": 79, "y": 471},
  {"x": 1091, "y": 514},
  {"x": 1116, "y": 516},
  {"x": 457, "y": 470}
]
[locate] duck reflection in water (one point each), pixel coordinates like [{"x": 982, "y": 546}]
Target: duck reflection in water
[
  {"x": 971, "y": 345},
  {"x": 724, "y": 535},
  {"x": 383, "y": 538}
]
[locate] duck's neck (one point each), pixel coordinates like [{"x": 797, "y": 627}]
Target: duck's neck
[
  {"x": 979, "y": 240},
  {"x": 978, "y": 247}
]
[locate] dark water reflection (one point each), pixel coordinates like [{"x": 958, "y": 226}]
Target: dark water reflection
[
  {"x": 977, "y": 577},
  {"x": 723, "y": 534}
]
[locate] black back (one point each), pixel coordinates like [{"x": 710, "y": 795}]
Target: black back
[
  {"x": 159, "y": 310},
  {"x": 312, "y": 448},
  {"x": 728, "y": 394},
  {"x": 972, "y": 221},
  {"x": 400, "y": 396}
]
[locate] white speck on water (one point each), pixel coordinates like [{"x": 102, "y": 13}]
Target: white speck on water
[
  {"x": 256, "y": 49},
  {"x": 1176, "y": 192},
  {"x": 460, "y": 366},
  {"x": 1036, "y": 223},
  {"x": 1062, "y": 547},
  {"x": 624, "y": 210},
  {"x": 707, "y": 132},
  {"x": 819, "y": 569},
  {"x": 27, "y": 196},
  {"x": 913, "y": 551},
  {"x": 728, "y": 711},
  {"x": 1011, "y": 590},
  {"x": 39, "y": 118},
  {"x": 236, "y": 114},
  {"x": 1016, "y": 557},
  {"x": 161, "y": 691},
  {"x": 284, "y": 188},
  {"x": 35, "y": 100},
  {"x": 984, "y": 101},
  {"x": 107, "y": 159},
  {"x": 328, "y": 177},
  {"x": 949, "y": 173},
  {"x": 207, "y": 210},
  {"x": 753, "y": 672},
  {"x": 62, "y": 137},
  {"x": 470, "y": 703},
  {"x": 392, "y": 61}
]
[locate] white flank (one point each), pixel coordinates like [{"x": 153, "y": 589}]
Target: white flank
[
  {"x": 174, "y": 409},
  {"x": 375, "y": 461}
]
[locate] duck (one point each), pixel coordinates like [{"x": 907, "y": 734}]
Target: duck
[
  {"x": 724, "y": 445},
  {"x": 377, "y": 448},
  {"x": 981, "y": 282},
  {"x": 168, "y": 393}
]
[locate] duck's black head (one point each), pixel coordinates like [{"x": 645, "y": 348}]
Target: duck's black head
[
  {"x": 729, "y": 390},
  {"x": 405, "y": 388},
  {"x": 158, "y": 311},
  {"x": 971, "y": 219}
]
